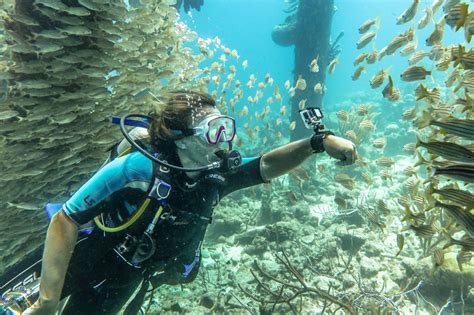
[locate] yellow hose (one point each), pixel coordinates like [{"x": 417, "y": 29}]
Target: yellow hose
[
  {"x": 122, "y": 227},
  {"x": 133, "y": 219},
  {"x": 124, "y": 152}
]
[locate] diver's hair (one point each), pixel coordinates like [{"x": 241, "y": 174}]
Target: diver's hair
[{"x": 176, "y": 110}]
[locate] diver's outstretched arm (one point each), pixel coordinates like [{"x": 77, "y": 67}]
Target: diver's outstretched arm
[
  {"x": 283, "y": 159},
  {"x": 59, "y": 245}
]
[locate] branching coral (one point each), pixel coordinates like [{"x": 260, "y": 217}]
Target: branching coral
[{"x": 289, "y": 290}]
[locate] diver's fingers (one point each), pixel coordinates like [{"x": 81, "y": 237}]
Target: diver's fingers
[
  {"x": 349, "y": 158},
  {"x": 343, "y": 162}
]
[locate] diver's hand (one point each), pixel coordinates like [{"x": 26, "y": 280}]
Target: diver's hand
[
  {"x": 341, "y": 149},
  {"x": 42, "y": 307}
]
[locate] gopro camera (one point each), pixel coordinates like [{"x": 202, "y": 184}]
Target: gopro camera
[{"x": 312, "y": 117}]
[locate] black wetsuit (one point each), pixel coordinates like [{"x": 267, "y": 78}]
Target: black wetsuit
[{"x": 100, "y": 278}]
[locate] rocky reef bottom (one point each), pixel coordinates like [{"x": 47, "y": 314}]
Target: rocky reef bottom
[{"x": 265, "y": 256}]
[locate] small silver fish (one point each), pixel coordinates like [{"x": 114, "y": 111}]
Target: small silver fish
[
  {"x": 378, "y": 79},
  {"x": 400, "y": 243},
  {"x": 409, "y": 14},
  {"x": 417, "y": 56},
  {"x": 365, "y": 39},
  {"x": 409, "y": 49},
  {"x": 426, "y": 18},
  {"x": 368, "y": 24},
  {"x": 437, "y": 35},
  {"x": 358, "y": 73}
]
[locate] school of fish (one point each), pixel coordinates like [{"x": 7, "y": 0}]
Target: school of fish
[{"x": 441, "y": 205}]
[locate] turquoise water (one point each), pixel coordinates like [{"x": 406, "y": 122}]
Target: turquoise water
[
  {"x": 247, "y": 25},
  {"x": 350, "y": 15}
]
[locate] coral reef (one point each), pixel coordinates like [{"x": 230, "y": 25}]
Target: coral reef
[{"x": 298, "y": 264}]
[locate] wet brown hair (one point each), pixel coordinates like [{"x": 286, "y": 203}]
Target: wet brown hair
[{"x": 176, "y": 110}]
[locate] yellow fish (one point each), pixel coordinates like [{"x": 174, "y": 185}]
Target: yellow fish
[
  {"x": 332, "y": 66},
  {"x": 301, "y": 83}
]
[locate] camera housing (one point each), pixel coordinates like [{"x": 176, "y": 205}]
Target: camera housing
[{"x": 312, "y": 117}]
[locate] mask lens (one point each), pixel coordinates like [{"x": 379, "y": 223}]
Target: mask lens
[{"x": 221, "y": 129}]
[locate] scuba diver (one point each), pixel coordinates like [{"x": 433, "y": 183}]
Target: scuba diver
[{"x": 140, "y": 219}]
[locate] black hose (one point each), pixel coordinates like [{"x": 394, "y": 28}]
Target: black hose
[{"x": 151, "y": 157}]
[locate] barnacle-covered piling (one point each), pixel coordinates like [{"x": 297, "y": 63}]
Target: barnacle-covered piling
[{"x": 309, "y": 29}]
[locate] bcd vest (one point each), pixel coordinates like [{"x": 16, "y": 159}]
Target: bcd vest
[{"x": 175, "y": 242}]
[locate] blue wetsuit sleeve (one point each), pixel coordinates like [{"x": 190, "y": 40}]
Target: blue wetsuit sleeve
[
  {"x": 248, "y": 174},
  {"x": 123, "y": 171},
  {"x": 246, "y": 160}
]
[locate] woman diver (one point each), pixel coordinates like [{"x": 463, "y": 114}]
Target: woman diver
[{"x": 146, "y": 221}]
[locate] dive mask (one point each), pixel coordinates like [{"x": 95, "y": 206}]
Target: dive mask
[{"x": 215, "y": 129}]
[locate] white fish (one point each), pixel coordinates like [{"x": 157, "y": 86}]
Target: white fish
[
  {"x": 419, "y": 55},
  {"x": 318, "y": 88},
  {"x": 409, "y": 14},
  {"x": 365, "y": 39},
  {"x": 332, "y": 65},
  {"x": 409, "y": 49},
  {"x": 368, "y": 24},
  {"x": 436, "y": 5},
  {"x": 314, "y": 67},
  {"x": 427, "y": 17},
  {"x": 7, "y": 114}
]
